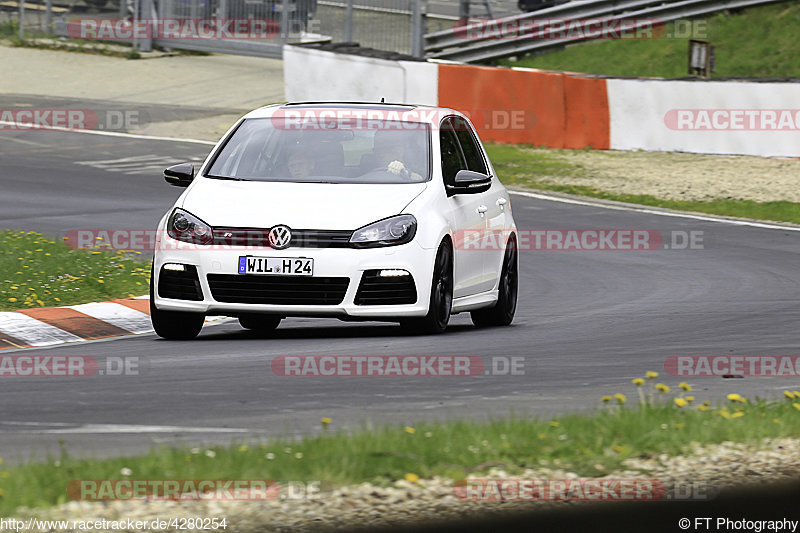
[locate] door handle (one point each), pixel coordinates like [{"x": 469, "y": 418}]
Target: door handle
[{"x": 482, "y": 209}]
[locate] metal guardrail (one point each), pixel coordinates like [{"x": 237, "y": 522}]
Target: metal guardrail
[{"x": 508, "y": 36}]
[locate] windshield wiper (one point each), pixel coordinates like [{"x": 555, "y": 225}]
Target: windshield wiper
[{"x": 227, "y": 178}]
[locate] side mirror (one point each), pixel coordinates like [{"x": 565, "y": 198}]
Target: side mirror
[
  {"x": 179, "y": 175},
  {"x": 469, "y": 182}
]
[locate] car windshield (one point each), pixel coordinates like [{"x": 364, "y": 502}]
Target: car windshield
[{"x": 334, "y": 150}]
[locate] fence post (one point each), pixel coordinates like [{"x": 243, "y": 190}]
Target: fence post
[
  {"x": 147, "y": 16},
  {"x": 48, "y": 16},
  {"x": 418, "y": 10},
  {"x": 348, "y": 21},
  {"x": 21, "y": 20},
  {"x": 284, "y": 21}
]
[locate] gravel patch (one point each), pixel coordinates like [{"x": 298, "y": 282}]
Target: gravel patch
[
  {"x": 679, "y": 176},
  {"x": 366, "y": 505}
]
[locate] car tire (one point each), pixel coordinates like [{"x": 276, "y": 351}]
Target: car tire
[
  {"x": 174, "y": 325},
  {"x": 502, "y": 313},
  {"x": 262, "y": 323},
  {"x": 441, "y": 298}
]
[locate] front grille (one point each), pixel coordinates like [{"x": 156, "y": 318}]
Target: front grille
[
  {"x": 180, "y": 285},
  {"x": 277, "y": 290},
  {"x": 301, "y": 238},
  {"x": 385, "y": 290}
]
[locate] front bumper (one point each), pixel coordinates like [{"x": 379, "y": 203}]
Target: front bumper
[{"x": 328, "y": 263}]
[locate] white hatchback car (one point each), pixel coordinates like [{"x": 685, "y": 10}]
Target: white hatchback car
[{"x": 355, "y": 211}]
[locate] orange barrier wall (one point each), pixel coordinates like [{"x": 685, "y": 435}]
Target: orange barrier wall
[{"x": 527, "y": 106}]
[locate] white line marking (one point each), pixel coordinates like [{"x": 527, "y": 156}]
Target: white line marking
[
  {"x": 28, "y": 127},
  {"x": 32, "y": 331},
  {"x": 33, "y": 427},
  {"x": 117, "y": 314},
  {"x": 647, "y": 211}
]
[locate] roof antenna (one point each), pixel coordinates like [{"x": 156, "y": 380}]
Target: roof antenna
[{"x": 383, "y": 100}]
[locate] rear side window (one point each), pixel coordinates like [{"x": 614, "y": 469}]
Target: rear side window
[
  {"x": 452, "y": 158},
  {"x": 472, "y": 152}
]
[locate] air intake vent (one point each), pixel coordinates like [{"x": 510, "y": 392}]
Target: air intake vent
[{"x": 386, "y": 290}]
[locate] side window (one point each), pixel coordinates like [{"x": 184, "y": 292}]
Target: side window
[
  {"x": 472, "y": 152},
  {"x": 452, "y": 159}
]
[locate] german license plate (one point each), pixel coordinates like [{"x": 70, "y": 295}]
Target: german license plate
[{"x": 281, "y": 266}]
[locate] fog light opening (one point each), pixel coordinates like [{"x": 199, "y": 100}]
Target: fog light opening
[{"x": 393, "y": 273}]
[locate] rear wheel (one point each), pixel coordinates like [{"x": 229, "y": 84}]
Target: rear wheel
[
  {"x": 174, "y": 325},
  {"x": 441, "y": 300},
  {"x": 502, "y": 313},
  {"x": 259, "y": 322}
]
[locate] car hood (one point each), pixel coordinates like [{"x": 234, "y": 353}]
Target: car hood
[{"x": 252, "y": 204}]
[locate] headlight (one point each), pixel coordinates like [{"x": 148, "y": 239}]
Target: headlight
[
  {"x": 184, "y": 226},
  {"x": 390, "y": 231}
]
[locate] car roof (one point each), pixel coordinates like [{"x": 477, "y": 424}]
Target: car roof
[{"x": 411, "y": 112}]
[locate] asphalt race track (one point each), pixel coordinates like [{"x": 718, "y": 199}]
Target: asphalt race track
[{"x": 587, "y": 322}]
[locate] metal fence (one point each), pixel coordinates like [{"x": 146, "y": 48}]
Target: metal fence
[{"x": 390, "y": 25}]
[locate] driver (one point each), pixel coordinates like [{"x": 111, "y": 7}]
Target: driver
[
  {"x": 389, "y": 149},
  {"x": 300, "y": 163}
]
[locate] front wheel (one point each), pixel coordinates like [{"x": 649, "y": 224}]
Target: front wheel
[
  {"x": 174, "y": 325},
  {"x": 502, "y": 313},
  {"x": 441, "y": 300}
]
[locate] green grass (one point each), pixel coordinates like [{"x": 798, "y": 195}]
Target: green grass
[
  {"x": 38, "y": 272},
  {"x": 522, "y": 166},
  {"x": 591, "y": 444},
  {"x": 760, "y": 41}
]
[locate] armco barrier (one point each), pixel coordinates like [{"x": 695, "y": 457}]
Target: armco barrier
[{"x": 565, "y": 110}]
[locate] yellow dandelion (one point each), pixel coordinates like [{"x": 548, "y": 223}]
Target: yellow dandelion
[
  {"x": 554, "y": 423},
  {"x": 325, "y": 420},
  {"x": 410, "y": 430},
  {"x": 737, "y": 414},
  {"x": 621, "y": 398},
  {"x": 685, "y": 387},
  {"x": 690, "y": 399},
  {"x": 412, "y": 478},
  {"x": 243, "y": 448},
  {"x": 724, "y": 414},
  {"x": 796, "y": 406},
  {"x": 638, "y": 382},
  {"x": 797, "y": 394},
  {"x": 100, "y": 281},
  {"x": 660, "y": 387},
  {"x": 12, "y": 300},
  {"x": 680, "y": 402},
  {"x": 788, "y": 394},
  {"x": 651, "y": 375},
  {"x": 736, "y": 398},
  {"x": 605, "y": 399},
  {"x": 777, "y": 421},
  {"x": 703, "y": 408}
]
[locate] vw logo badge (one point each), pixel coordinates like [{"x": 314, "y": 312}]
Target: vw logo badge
[{"x": 279, "y": 237}]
